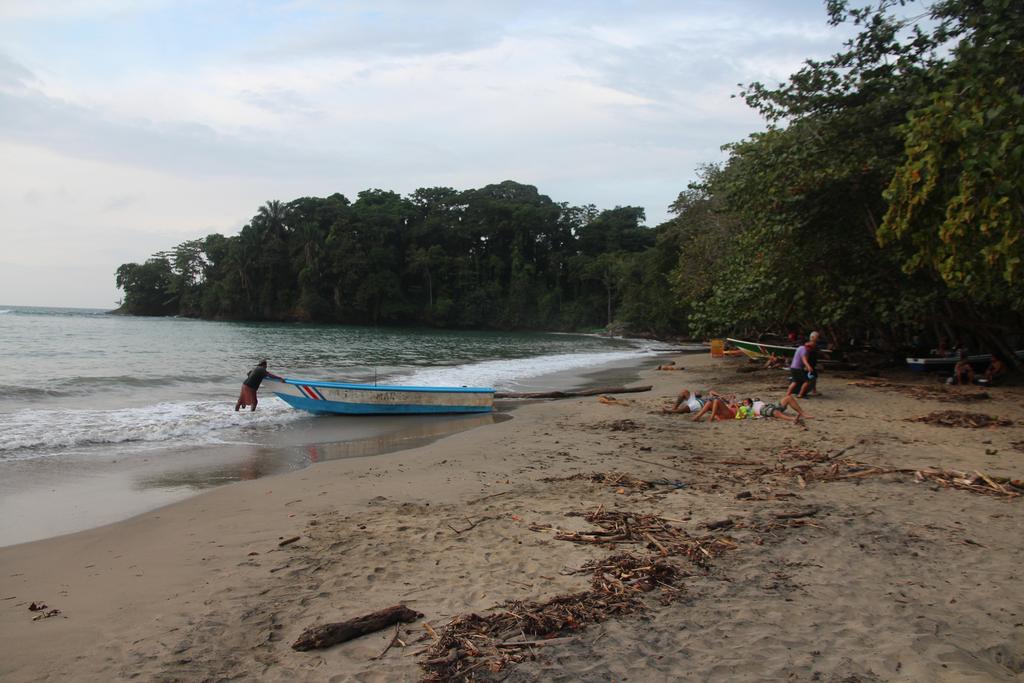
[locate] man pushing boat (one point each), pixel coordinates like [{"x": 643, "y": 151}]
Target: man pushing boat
[{"x": 252, "y": 384}]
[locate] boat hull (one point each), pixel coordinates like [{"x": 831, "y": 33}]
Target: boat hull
[
  {"x": 366, "y": 399},
  {"x": 978, "y": 362},
  {"x": 759, "y": 351}
]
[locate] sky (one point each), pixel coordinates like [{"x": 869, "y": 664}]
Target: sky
[{"x": 129, "y": 126}]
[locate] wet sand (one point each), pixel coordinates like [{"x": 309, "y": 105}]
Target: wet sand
[
  {"x": 52, "y": 496},
  {"x": 877, "y": 578}
]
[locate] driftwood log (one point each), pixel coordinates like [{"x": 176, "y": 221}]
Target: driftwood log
[
  {"x": 326, "y": 635},
  {"x": 571, "y": 394}
]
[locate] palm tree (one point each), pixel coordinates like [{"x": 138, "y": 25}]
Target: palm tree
[{"x": 271, "y": 217}]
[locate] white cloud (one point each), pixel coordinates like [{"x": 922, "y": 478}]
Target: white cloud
[
  {"x": 119, "y": 157},
  {"x": 63, "y": 9},
  {"x": 64, "y": 213}
]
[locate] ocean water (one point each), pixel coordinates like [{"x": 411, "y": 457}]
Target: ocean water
[
  {"x": 103, "y": 417},
  {"x": 80, "y": 381}
]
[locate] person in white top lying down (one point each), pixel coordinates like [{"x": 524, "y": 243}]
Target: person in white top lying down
[{"x": 759, "y": 408}]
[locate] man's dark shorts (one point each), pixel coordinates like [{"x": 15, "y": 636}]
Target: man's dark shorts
[{"x": 797, "y": 375}]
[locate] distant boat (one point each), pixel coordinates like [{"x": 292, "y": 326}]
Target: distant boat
[
  {"x": 371, "y": 399},
  {"x": 947, "y": 363}
]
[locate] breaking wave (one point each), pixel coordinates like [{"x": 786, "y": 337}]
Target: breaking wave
[
  {"x": 31, "y": 433},
  {"x": 506, "y": 374}
]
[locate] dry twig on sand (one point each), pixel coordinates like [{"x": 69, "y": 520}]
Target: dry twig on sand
[{"x": 472, "y": 525}]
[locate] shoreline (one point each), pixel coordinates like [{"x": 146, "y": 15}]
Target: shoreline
[
  {"x": 200, "y": 589},
  {"x": 78, "y": 493}
]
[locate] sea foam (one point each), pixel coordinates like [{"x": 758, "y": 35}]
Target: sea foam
[
  {"x": 31, "y": 433},
  {"x": 508, "y": 374}
]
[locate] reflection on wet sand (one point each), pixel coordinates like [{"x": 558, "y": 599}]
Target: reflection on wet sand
[
  {"x": 253, "y": 462},
  {"x": 409, "y": 437}
]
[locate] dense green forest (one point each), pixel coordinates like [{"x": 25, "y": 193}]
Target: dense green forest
[
  {"x": 503, "y": 256},
  {"x": 885, "y": 197}
]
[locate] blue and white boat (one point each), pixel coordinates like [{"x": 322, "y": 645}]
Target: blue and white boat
[{"x": 372, "y": 399}]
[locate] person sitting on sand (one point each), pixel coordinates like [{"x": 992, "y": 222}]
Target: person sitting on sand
[
  {"x": 942, "y": 350},
  {"x": 686, "y": 402},
  {"x": 774, "y": 362},
  {"x": 963, "y": 373},
  {"x": 252, "y": 384},
  {"x": 995, "y": 372},
  {"x": 771, "y": 410}
]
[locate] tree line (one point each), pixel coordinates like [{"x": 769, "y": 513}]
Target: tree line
[
  {"x": 885, "y": 197},
  {"x": 503, "y": 256}
]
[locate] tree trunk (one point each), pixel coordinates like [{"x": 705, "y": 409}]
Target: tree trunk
[
  {"x": 326, "y": 635},
  {"x": 572, "y": 394},
  {"x": 609, "y": 289}
]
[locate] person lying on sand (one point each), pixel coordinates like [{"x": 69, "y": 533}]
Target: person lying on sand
[
  {"x": 759, "y": 408},
  {"x": 718, "y": 407},
  {"x": 686, "y": 402},
  {"x": 670, "y": 365}
]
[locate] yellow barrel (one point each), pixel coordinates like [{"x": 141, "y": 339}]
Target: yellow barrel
[{"x": 717, "y": 348}]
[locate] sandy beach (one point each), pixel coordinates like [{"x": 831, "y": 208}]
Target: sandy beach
[{"x": 808, "y": 557}]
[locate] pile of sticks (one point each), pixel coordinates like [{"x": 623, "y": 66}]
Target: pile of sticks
[
  {"x": 957, "y": 418},
  {"x": 512, "y": 633},
  {"x": 624, "y": 574},
  {"x": 650, "y": 531},
  {"x": 620, "y": 479},
  {"x": 943, "y": 394},
  {"x": 618, "y": 425},
  {"x": 818, "y": 467},
  {"x": 808, "y": 454},
  {"x": 975, "y": 482}
]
